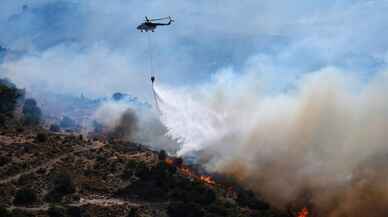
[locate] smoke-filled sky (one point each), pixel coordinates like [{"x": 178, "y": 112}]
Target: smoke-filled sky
[
  {"x": 323, "y": 142},
  {"x": 92, "y": 46},
  {"x": 288, "y": 96}
]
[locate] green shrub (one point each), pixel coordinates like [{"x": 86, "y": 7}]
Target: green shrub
[
  {"x": 179, "y": 209},
  {"x": 132, "y": 212},
  {"x": 25, "y": 179},
  {"x": 4, "y": 160},
  {"x": 9, "y": 95},
  {"x": 192, "y": 191},
  {"x": 24, "y": 196},
  {"x": 41, "y": 137},
  {"x": 222, "y": 209},
  {"x": 20, "y": 213},
  {"x": 61, "y": 184},
  {"x": 56, "y": 211},
  {"x": 74, "y": 211},
  {"x": 130, "y": 169},
  {"x": 248, "y": 199},
  {"x": 131, "y": 165},
  {"x": 3, "y": 120},
  {"x": 139, "y": 168},
  {"x": 4, "y": 212},
  {"x": 100, "y": 158}
]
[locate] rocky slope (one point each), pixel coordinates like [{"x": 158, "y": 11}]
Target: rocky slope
[{"x": 53, "y": 174}]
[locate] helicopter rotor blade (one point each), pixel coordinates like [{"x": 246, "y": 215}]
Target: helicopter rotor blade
[{"x": 163, "y": 18}]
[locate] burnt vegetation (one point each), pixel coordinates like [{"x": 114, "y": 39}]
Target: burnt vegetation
[
  {"x": 51, "y": 172},
  {"x": 187, "y": 197},
  {"x": 61, "y": 184},
  {"x": 25, "y": 196},
  {"x": 125, "y": 173}
]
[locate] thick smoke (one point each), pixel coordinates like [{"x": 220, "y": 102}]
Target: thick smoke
[
  {"x": 122, "y": 121},
  {"x": 126, "y": 127},
  {"x": 322, "y": 140},
  {"x": 320, "y": 135}
]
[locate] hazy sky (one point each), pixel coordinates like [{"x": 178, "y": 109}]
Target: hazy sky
[
  {"x": 215, "y": 65},
  {"x": 92, "y": 46}
]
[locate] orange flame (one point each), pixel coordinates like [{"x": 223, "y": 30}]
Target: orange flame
[
  {"x": 303, "y": 213},
  {"x": 207, "y": 179},
  {"x": 187, "y": 171},
  {"x": 169, "y": 161}
]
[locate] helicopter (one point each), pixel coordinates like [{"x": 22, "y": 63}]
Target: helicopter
[{"x": 149, "y": 25}]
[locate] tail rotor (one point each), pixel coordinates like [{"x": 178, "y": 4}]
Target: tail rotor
[{"x": 171, "y": 19}]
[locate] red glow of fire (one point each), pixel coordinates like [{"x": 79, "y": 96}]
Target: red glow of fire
[
  {"x": 303, "y": 213},
  {"x": 169, "y": 161},
  {"x": 207, "y": 179},
  {"x": 186, "y": 171}
]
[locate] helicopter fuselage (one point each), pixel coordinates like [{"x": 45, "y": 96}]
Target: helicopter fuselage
[
  {"x": 150, "y": 26},
  {"x": 147, "y": 26}
]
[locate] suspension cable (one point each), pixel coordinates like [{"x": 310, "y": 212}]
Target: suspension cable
[
  {"x": 150, "y": 55},
  {"x": 152, "y": 73}
]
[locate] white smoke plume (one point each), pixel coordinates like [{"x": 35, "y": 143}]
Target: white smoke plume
[
  {"x": 137, "y": 125},
  {"x": 109, "y": 113},
  {"x": 320, "y": 136}
]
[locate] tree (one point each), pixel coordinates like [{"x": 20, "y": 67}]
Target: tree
[
  {"x": 56, "y": 211},
  {"x": 41, "y": 137},
  {"x": 247, "y": 198},
  {"x": 9, "y": 95},
  {"x": 74, "y": 211},
  {"x": 132, "y": 212},
  {"x": 179, "y": 209},
  {"x": 162, "y": 155},
  {"x": 4, "y": 212},
  {"x": 61, "y": 184},
  {"x": 24, "y": 196}
]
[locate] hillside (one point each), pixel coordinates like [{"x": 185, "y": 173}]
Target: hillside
[
  {"x": 54, "y": 174},
  {"x": 58, "y": 173}
]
